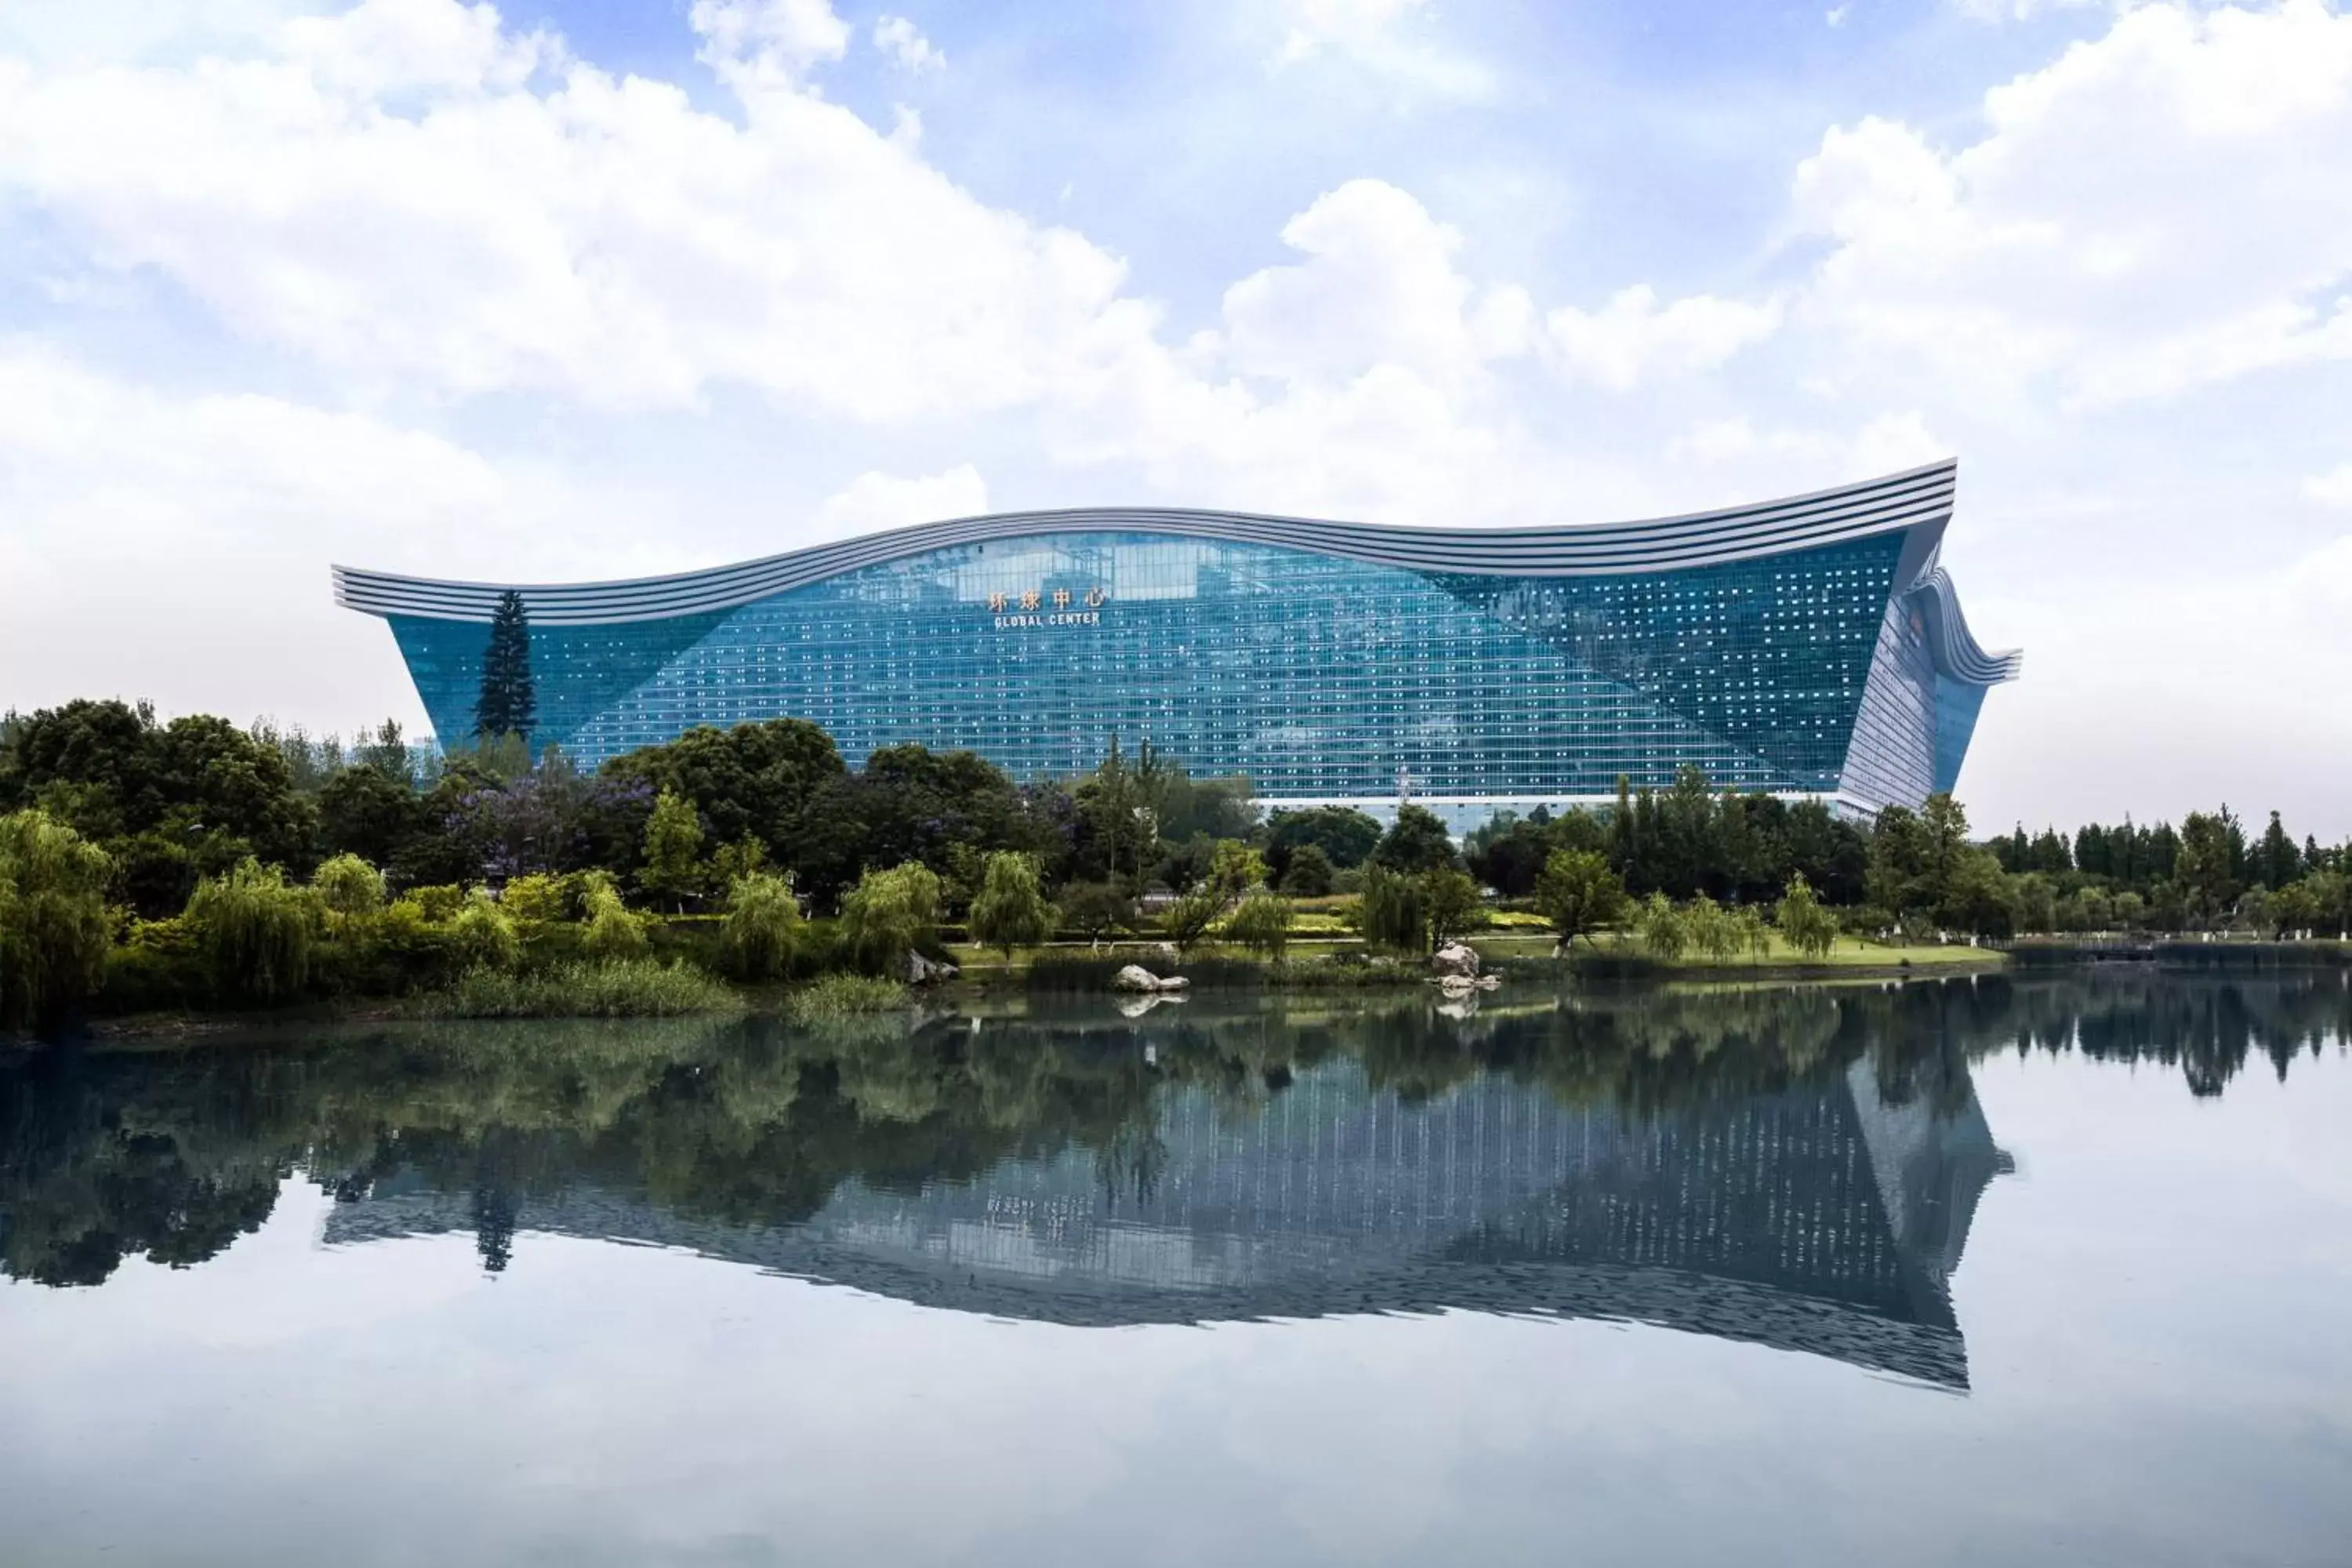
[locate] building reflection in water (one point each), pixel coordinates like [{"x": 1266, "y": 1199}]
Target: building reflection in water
[
  {"x": 1818, "y": 1218},
  {"x": 1785, "y": 1165}
]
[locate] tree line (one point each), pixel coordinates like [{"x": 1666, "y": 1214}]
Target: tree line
[{"x": 266, "y": 848}]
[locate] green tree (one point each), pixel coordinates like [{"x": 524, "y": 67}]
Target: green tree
[
  {"x": 1095, "y": 909},
  {"x": 1578, "y": 894},
  {"x": 1344, "y": 836},
  {"x": 53, "y": 919},
  {"x": 1261, "y": 922},
  {"x": 348, "y": 886},
  {"x": 1946, "y": 824},
  {"x": 673, "y": 847},
  {"x": 1189, "y": 916},
  {"x": 2292, "y": 909},
  {"x": 613, "y": 930},
  {"x": 482, "y": 936},
  {"x": 168, "y": 803},
  {"x": 1450, "y": 905},
  {"x": 508, "y": 703},
  {"x": 367, "y": 812},
  {"x": 1011, "y": 910},
  {"x": 1713, "y": 929},
  {"x": 1901, "y": 878},
  {"x": 1663, "y": 929},
  {"x": 1804, "y": 924},
  {"x": 1417, "y": 841},
  {"x": 1234, "y": 868},
  {"x": 890, "y": 914},
  {"x": 256, "y": 932},
  {"x": 1119, "y": 832},
  {"x": 778, "y": 781},
  {"x": 1388, "y": 911},
  {"x": 2275, "y": 860},
  {"x": 2207, "y": 866},
  {"x": 1308, "y": 875},
  {"x": 536, "y": 902},
  {"x": 729, "y": 863},
  {"x": 763, "y": 925}
]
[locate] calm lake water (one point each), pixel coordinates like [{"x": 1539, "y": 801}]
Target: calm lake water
[{"x": 2045, "y": 1270}]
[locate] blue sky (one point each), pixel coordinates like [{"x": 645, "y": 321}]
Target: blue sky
[{"x": 579, "y": 288}]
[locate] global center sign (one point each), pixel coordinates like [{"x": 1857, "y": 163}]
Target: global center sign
[{"x": 1029, "y": 608}]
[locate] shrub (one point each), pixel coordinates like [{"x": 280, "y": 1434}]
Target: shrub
[
  {"x": 437, "y": 904},
  {"x": 844, "y": 995},
  {"x": 483, "y": 937},
  {"x": 890, "y": 915},
  {"x": 537, "y": 899},
  {"x": 1009, "y": 911},
  {"x": 611, "y": 989},
  {"x": 255, "y": 931},
  {"x": 53, "y": 919},
  {"x": 763, "y": 925},
  {"x": 614, "y": 932},
  {"x": 1261, "y": 923},
  {"x": 348, "y": 886}
]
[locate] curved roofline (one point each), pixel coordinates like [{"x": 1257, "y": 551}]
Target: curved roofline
[
  {"x": 1916, "y": 501},
  {"x": 1953, "y": 646}
]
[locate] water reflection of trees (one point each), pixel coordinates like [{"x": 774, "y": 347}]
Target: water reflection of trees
[{"x": 174, "y": 1153}]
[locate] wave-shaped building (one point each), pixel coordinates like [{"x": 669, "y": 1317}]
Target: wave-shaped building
[{"x": 1807, "y": 647}]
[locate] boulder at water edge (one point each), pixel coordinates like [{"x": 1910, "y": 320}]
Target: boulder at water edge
[{"x": 1456, "y": 958}]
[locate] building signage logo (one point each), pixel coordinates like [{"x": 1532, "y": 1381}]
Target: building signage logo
[{"x": 1029, "y": 607}]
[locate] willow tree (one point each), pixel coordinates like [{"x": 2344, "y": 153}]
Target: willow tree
[
  {"x": 1010, "y": 911},
  {"x": 53, "y": 921}
]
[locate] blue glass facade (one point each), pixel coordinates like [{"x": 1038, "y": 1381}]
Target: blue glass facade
[{"x": 1318, "y": 673}]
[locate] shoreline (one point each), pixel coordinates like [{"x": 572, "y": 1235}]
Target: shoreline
[{"x": 1318, "y": 974}]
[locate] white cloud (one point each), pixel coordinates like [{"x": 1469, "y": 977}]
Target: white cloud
[
  {"x": 115, "y": 31},
  {"x": 596, "y": 237},
  {"x": 1374, "y": 35},
  {"x": 409, "y": 209},
  {"x": 771, "y": 41},
  {"x": 2159, "y": 209},
  {"x": 1379, "y": 286},
  {"x": 1631, "y": 336},
  {"x": 384, "y": 46},
  {"x": 519, "y": 221},
  {"x": 905, "y": 43},
  {"x": 2332, "y": 487},
  {"x": 2016, "y": 10},
  {"x": 131, "y": 494},
  {"x": 1813, "y": 458},
  {"x": 877, "y": 500}
]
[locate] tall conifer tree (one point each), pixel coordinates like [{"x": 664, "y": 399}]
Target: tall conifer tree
[{"x": 508, "y": 705}]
